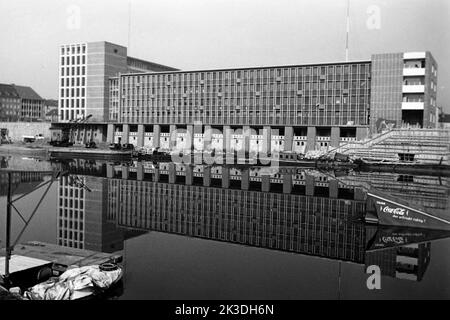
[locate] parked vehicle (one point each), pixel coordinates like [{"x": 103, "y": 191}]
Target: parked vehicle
[
  {"x": 128, "y": 147},
  {"x": 115, "y": 146},
  {"x": 30, "y": 139},
  {"x": 91, "y": 145}
]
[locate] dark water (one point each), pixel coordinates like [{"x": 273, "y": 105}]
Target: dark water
[{"x": 232, "y": 233}]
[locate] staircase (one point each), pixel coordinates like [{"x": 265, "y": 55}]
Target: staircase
[{"x": 431, "y": 146}]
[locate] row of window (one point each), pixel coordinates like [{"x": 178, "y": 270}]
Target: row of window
[
  {"x": 73, "y": 49},
  {"x": 74, "y": 60},
  {"x": 73, "y": 71}
]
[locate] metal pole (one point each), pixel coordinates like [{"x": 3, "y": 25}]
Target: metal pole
[
  {"x": 8, "y": 226},
  {"x": 347, "y": 31}
]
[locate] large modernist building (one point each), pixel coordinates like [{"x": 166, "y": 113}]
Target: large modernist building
[
  {"x": 300, "y": 107},
  {"x": 84, "y": 71}
]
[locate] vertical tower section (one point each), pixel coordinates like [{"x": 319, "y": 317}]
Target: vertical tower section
[
  {"x": 104, "y": 60},
  {"x": 72, "y": 82},
  {"x": 386, "y": 91}
]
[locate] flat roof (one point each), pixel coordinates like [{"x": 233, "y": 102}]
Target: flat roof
[{"x": 248, "y": 68}]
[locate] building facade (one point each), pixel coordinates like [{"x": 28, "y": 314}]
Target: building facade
[
  {"x": 301, "y": 108},
  {"x": 290, "y": 108},
  {"x": 20, "y": 103},
  {"x": 10, "y": 105},
  {"x": 404, "y": 90},
  {"x": 32, "y": 105},
  {"x": 84, "y": 72}
]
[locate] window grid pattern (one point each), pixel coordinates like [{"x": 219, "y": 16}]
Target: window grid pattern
[
  {"x": 301, "y": 95},
  {"x": 72, "y": 82}
]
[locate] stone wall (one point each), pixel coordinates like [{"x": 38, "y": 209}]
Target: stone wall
[{"x": 19, "y": 129}]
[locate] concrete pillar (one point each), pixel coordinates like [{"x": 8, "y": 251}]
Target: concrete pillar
[
  {"x": 288, "y": 138},
  {"x": 267, "y": 139},
  {"x": 109, "y": 171},
  {"x": 265, "y": 183},
  {"x": 246, "y": 134},
  {"x": 245, "y": 179},
  {"x": 172, "y": 173},
  {"x": 287, "y": 183},
  {"x": 227, "y": 144},
  {"x": 85, "y": 131},
  {"x": 156, "y": 136},
  {"x": 207, "y": 138},
  {"x": 362, "y": 133},
  {"x": 140, "y": 171},
  {"x": 207, "y": 176},
  {"x": 156, "y": 174},
  {"x": 189, "y": 175},
  {"x": 310, "y": 182},
  {"x": 125, "y": 172},
  {"x": 190, "y": 133},
  {"x": 225, "y": 177},
  {"x": 125, "y": 133},
  {"x": 335, "y": 137},
  {"x": 333, "y": 188},
  {"x": 172, "y": 139},
  {"x": 140, "y": 135},
  {"x": 311, "y": 142}
]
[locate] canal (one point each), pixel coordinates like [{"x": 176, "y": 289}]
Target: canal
[{"x": 234, "y": 233}]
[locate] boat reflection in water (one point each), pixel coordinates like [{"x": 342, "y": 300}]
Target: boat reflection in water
[{"x": 299, "y": 211}]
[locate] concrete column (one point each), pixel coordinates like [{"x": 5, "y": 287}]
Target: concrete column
[
  {"x": 267, "y": 139},
  {"x": 246, "y": 134},
  {"x": 110, "y": 133},
  {"x": 156, "y": 174},
  {"x": 140, "y": 171},
  {"x": 189, "y": 175},
  {"x": 227, "y": 145},
  {"x": 335, "y": 136},
  {"x": 172, "y": 139},
  {"x": 287, "y": 183},
  {"x": 156, "y": 136},
  {"x": 288, "y": 138},
  {"x": 109, "y": 171},
  {"x": 84, "y": 134},
  {"x": 172, "y": 173},
  {"x": 311, "y": 142},
  {"x": 140, "y": 135},
  {"x": 207, "y": 137},
  {"x": 225, "y": 177},
  {"x": 245, "y": 179},
  {"x": 333, "y": 187},
  {"x": 362, "y": 133},
  {"x": 207, "y": 176},
  {"x": 265, "y": 183},
  {"x": 310, "y": 182},
  {"x": 190, "y": 133},
  {"x": 125, "y": 133},
  {"x": 125, "y": 172}
]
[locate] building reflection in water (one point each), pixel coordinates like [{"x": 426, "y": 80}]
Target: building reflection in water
[{"x": 307, "y": 212}]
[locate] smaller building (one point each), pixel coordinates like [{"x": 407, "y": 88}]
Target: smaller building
[
  {"x": 32, "y": 105},
  {"x": 20, "y": 103},
  {"x": 10, "y": 103}
]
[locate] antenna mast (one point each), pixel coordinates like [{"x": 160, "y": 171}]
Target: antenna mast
[
  {"x": 348, "y": 30},
  {"x": 129, "y": 25}
]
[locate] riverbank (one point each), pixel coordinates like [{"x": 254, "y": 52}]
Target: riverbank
[{"x": 35, "y": 150}]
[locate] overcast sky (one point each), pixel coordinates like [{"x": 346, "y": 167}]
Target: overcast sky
[{"x": 208, "y": 34}]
